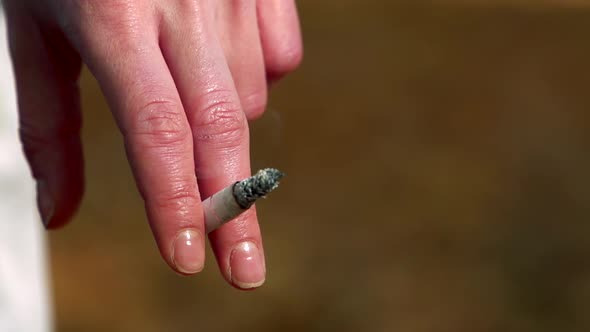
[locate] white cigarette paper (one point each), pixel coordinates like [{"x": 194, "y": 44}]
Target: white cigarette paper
[
  {"x": 234, "y": 200},
  {"x": 221, "y": 208}
]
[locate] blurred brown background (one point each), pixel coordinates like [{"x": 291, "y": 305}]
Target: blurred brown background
[{"x": 437, "y": 155}]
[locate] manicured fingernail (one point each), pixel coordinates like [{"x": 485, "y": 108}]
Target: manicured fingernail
[
  {"x": 45, "y": 202},
  {"x": 247, "y": 266},
  {"x": 188, "y": 253}
]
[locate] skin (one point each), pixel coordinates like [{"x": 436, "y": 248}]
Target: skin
[{"x": 181, "y": 77}]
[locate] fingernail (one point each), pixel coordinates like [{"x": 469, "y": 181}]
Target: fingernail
[
  {"x": 247, "y": 266},
  {"x": 45, "y": 202},
  {"x": 188, "y": 253}
]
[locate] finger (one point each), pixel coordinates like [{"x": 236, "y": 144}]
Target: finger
[
  {"x": 280, "y": 35},
  {"x": 125, "y": 57},
  {"x": 220, "y": 133},
  {"x": 237, "y": 25},
  {"x": 46, "y": 71}
]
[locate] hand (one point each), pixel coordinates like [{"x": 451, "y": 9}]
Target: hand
[{"x": 181, "y": 78}]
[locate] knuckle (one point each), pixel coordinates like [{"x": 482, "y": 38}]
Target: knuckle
[
  {"x": 104, "y": 10},
  {"x": 189, "y": 6},
  {"x": 287, "y": 58},
  {"x": 54, "y": 145},
  {"x": 255, "y": 104},
  {"x": 220, "y": 121},
  {"x": 243, "y": 6},
  {"x": 181, "y": 193},
  {"x": 106, "y": 20},
  {"x": 159, "y": 123},
  {"x": 37, "y": 139},
  {"x": 33, "y": 143}
]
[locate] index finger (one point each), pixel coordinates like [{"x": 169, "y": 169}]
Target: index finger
[{"x": 141, "y": 92}]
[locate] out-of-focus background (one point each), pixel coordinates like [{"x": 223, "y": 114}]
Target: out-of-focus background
[{"x": 437, "y": 155}]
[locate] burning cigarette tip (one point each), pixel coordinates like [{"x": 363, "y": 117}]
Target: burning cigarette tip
[
  {"x": 247, "y": 191},
  {"x": 232, "y": 201}
]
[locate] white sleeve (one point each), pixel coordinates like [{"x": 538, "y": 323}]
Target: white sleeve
[{"x": 24, "y": 296}]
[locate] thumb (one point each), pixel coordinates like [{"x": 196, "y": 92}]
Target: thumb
[{"x": 46, "y": 71}]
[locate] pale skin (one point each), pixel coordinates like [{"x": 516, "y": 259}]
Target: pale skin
[{"x": 182, "y": 78}]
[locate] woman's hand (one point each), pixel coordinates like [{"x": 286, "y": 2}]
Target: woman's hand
[{"x": 181, "y": 77}]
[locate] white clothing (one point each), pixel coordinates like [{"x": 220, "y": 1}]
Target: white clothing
[{"x": 24, "y": 300}]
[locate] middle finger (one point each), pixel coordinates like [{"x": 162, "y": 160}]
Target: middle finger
[{"x": 197, "y": 62}]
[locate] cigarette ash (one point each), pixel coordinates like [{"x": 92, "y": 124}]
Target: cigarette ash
[{"x": 247, "y": 191}]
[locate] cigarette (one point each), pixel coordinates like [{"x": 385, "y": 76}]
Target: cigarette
[{"x": 236, "y": 199}]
